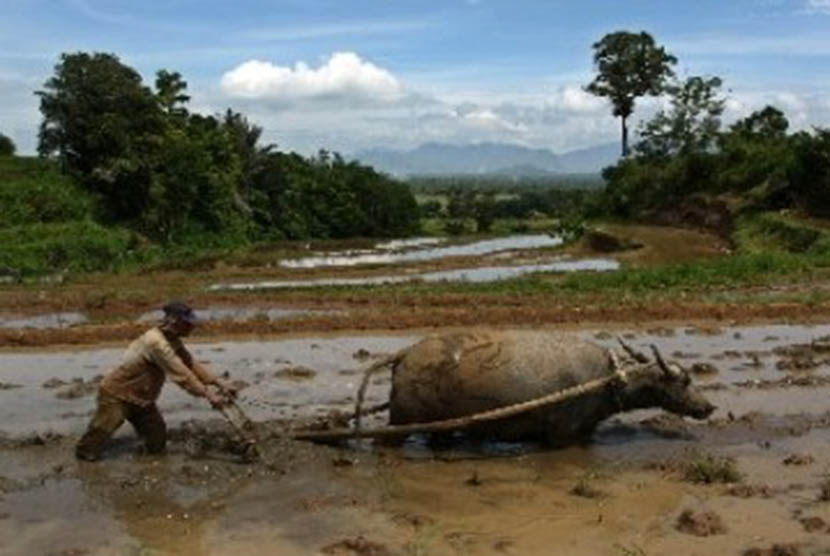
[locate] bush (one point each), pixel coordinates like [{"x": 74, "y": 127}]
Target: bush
[
  {"x": 7, "y": 146},
  {"x": 80, "y": 246},
  {"x": 33, "y": 191}
]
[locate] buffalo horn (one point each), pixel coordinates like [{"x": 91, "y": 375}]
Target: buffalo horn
[
  {"x": 637, "y": 355},
  {"x": 660, "y": 360}
]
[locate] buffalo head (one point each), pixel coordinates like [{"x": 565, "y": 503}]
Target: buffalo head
[{"x": 665, "y": 384}]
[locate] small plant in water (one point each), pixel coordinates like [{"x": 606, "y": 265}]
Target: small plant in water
[
  {"x": 584, "y": 489},
  {"x": 708, "y": 469}
]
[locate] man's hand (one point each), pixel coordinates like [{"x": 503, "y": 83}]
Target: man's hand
[
  {"x": 226, "y": 388},
  {"x": 217, "y": 401}
]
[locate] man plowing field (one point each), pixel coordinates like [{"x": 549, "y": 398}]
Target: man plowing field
[{"x": 129, "y": 392}]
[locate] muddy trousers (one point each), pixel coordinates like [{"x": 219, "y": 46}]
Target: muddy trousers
[{"x": 111, "y": 414}]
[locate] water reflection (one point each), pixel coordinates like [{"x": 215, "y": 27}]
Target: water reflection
[
  {"x": 48, "y": 320},
  {"x": 236, "y": 314},
  {"x": 353, "y": 258},
  {"x": 479, "y": 274}
]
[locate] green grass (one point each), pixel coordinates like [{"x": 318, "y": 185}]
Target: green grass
[
  {"x": 34, "y": 191},
  {"x": 735, "y": 270},
  {"x": 80, "y": 246},
  {"x": 774, "y": 232}
]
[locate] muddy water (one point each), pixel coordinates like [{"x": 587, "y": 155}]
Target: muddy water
[
  {"x": 49, "y": 320},
  {"x": 416, "y": 499},
  {"x": 478, "y": 274},
  {"x": 419, "y": 253},
  {"x": 237, "y": 314}
]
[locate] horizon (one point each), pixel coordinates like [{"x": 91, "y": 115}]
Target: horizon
[{"x": 351, "y": 76}]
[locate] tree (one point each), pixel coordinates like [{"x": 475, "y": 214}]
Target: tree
[
  {"x": 170, "y": 89},
  {"x": 7, "y": 146},
  {"x": 757, "y": 152},
  {"x": 691, "y": 124},
  {"x": 629, "y": 65},
  {"x": 768, "y": 123},
  {"x": 94, "y": 109}
]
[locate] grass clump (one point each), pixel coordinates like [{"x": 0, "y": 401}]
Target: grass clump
[{"x": 710, "y": 469}]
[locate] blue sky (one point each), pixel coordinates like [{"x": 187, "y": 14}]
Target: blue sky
[{"x": 353, "y": 74}]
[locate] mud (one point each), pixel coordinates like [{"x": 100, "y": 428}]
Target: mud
[{"x": 623, "y": 493}]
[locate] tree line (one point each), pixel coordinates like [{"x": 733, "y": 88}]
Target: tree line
[
  {"x": 153, "y": 166},
  {"x": 684, "y": 150}
]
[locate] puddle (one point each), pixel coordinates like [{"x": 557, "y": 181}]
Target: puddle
[
  {"x": 478, "y": 274},
  {"x": 353, "y": 258},
  {"x": 236, "y": 314},
  {"x": 398, "y": 244},
  {"x": 48, "y": 320}
]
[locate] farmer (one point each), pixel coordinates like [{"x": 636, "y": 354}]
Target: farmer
[{"x": 129, "y": 392}]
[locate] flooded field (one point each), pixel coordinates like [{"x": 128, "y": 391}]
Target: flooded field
[
  {"x": 422, "y": 249},
  {"x": 478, "y": 274},
  {"x": 630, "y": 491}
]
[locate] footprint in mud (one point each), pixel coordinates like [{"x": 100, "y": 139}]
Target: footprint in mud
[
  {"x": 359, "y": 546},
  {"x": 702, "y": 369},
  {"x": 799, "y": 459},
  {"x": 813, "y": 524},
  {"x": 297, "y": 373},
  {"x": 775, "y": 550},
  {"x": 750, "y": 491},
  {"x": 700, "y": 524}
]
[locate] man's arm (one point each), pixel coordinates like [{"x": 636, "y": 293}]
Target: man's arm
[
  {"x": 163, "y": 355},
  {"x": 203, "y": 373}
]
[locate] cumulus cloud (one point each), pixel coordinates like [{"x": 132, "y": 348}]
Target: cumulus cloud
[{"x": 344, "y": 77}]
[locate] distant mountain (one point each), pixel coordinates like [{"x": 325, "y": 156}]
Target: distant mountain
[
  {"x": 592, "y": 159},
  {"x": 443, "y": 159},
  {"x": 486, "y": 159}
]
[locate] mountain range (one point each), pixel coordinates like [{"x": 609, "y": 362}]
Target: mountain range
[{"x": 498, "y": 159}]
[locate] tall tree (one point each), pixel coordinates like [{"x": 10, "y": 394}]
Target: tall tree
[
  {"x": 93, "y": 108},
  {"x": 629, "y": 65},
  {"x": 692, "y": 123}
]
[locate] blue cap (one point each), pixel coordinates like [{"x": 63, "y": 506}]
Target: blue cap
[{"x": 180, "y": 310}]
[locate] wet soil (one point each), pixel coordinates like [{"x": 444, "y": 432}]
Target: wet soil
[
  {"x": 759, "y": 355},
  {"x": 628, "y": 491}
]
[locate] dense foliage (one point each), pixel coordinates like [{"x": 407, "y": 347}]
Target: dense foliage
[
  {"x": 177, "y": 176},
  {"x": 753, "y": 165},
  {"x": 127, "y": 171}
]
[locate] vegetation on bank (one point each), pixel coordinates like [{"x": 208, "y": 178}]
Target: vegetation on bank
[
  {"x": 128, "y": 177},
  {"x": 130, "y": 174}
]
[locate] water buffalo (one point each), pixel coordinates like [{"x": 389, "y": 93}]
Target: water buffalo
[{"x": 455, "y": 375}]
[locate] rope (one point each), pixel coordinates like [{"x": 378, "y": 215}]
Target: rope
[{"x": 618, "y": 376}]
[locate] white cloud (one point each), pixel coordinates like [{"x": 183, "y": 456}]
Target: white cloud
[
  {"x": 343, "y": 77},
  {"x": 576, "y": 100},
  {"x": 814, "y": 6}
]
